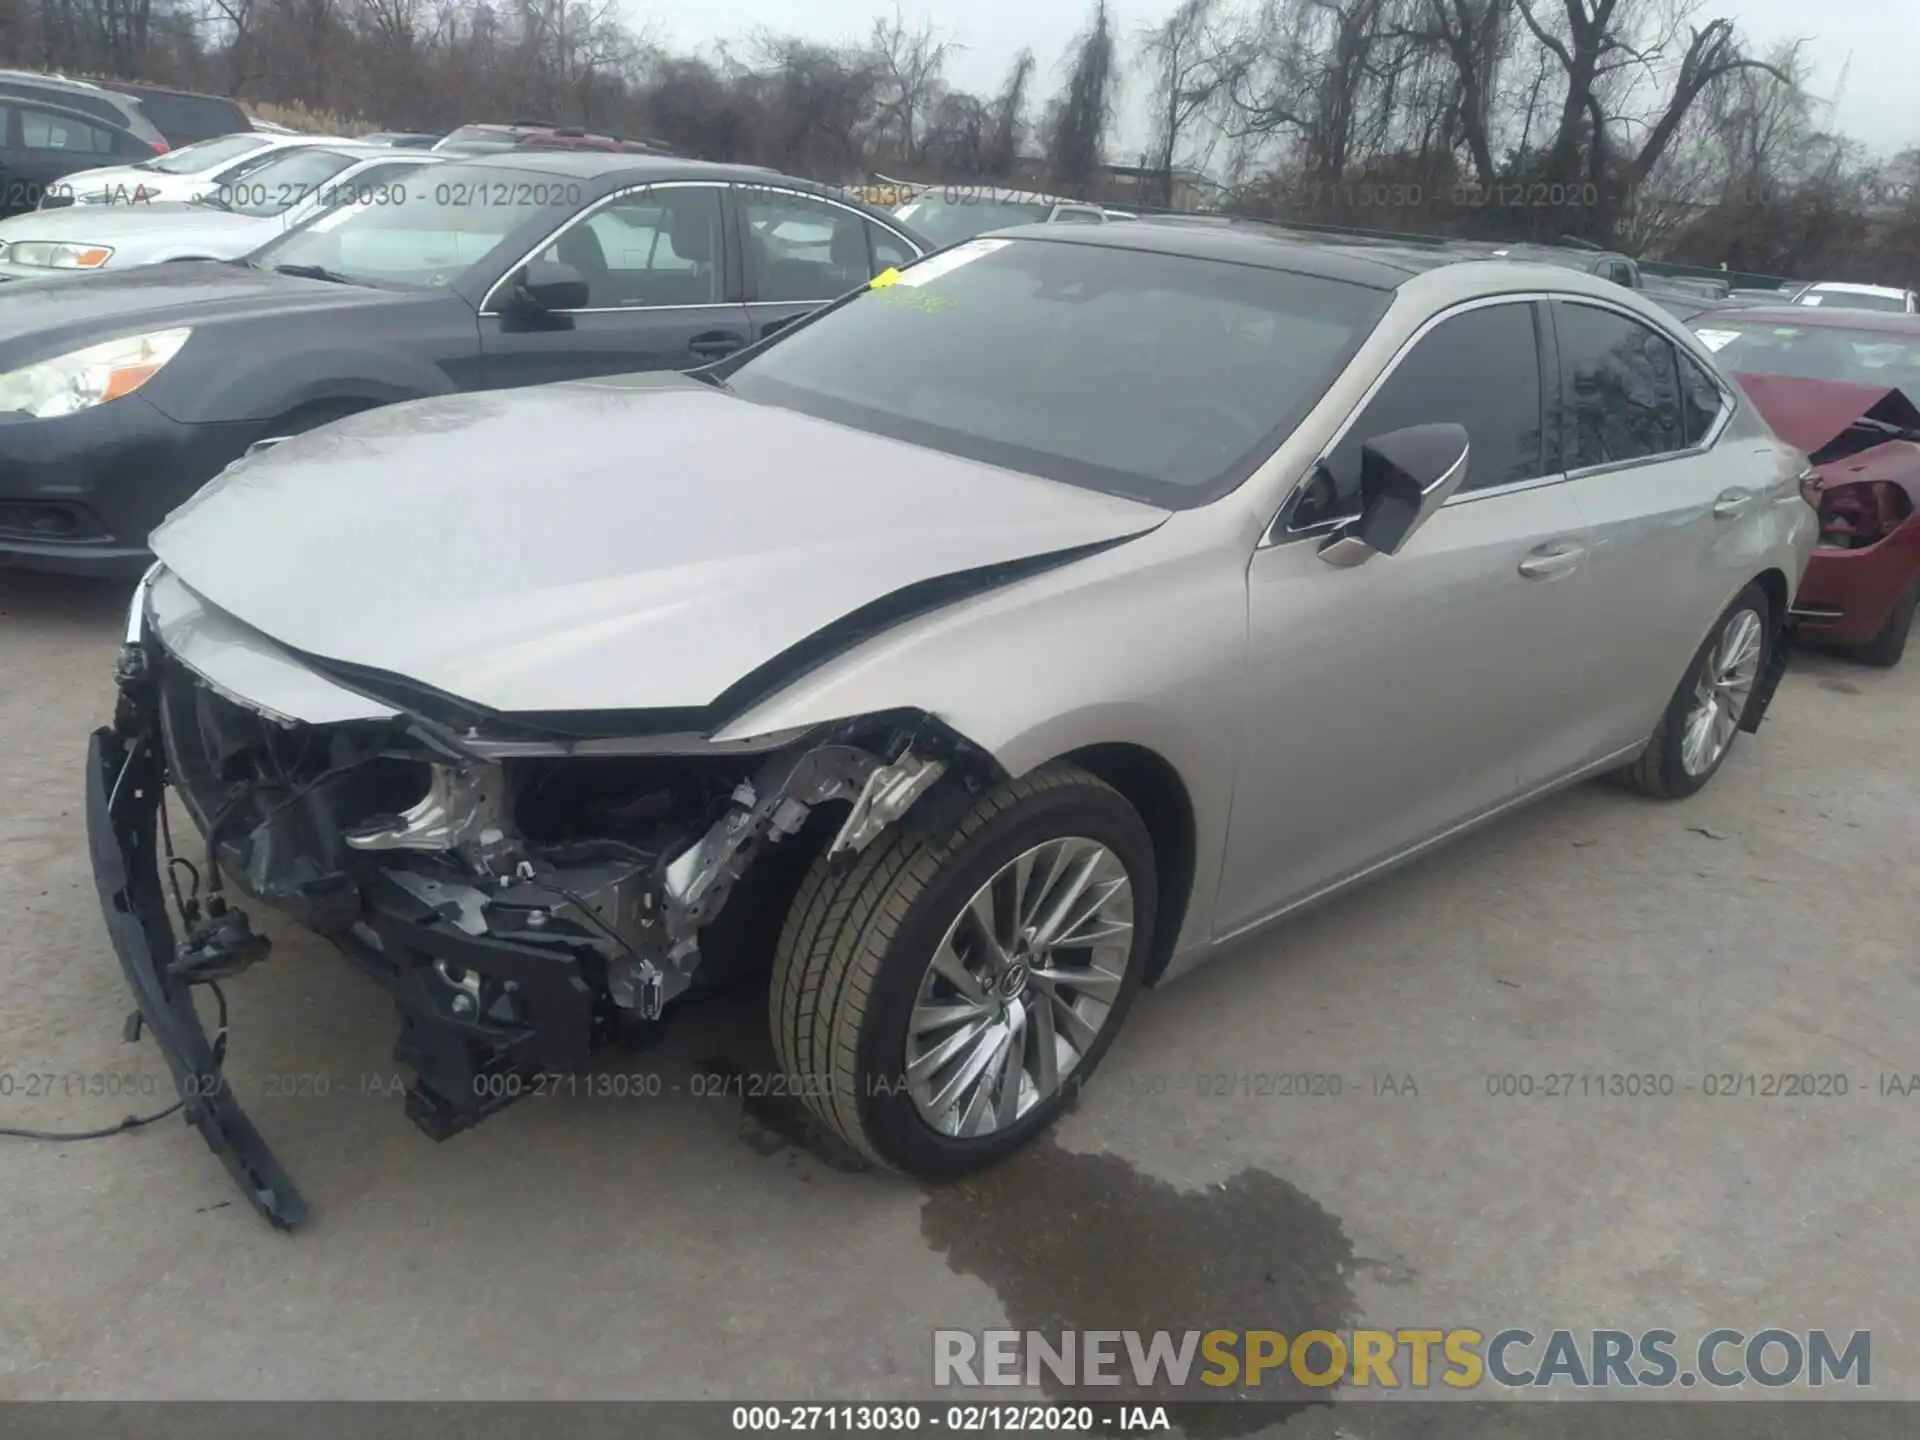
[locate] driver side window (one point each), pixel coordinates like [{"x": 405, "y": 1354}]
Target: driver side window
[
  {"x": 1480, "y": 370},
  {"x": 656, "y": 248}
]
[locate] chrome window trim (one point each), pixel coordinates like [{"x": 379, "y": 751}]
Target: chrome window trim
[
  {"x": 1275, "y": 534},
  {"x": 580, "y": 217},
  {"x": 1721, "y": 419}
]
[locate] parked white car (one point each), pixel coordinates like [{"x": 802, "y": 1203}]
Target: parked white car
[
  {"x": 179, "y": 175},
  {"x": 224, "y": 225},
  {"x": 1838, "y": 295}
]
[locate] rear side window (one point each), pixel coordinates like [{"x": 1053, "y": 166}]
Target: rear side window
[
  {"x": 1480, "y": 370},
  {"x": 1700, "y": 399},
  {"x": 1619, "y": 386},
  {"x": 50, "y": 130},
  {"x": 184, "y": 119}
]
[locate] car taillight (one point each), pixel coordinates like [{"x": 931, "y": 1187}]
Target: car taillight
[{"x": 1854, "y": 516}]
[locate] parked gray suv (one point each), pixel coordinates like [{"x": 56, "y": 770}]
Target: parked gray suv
[{"x": 165, "y": 119}]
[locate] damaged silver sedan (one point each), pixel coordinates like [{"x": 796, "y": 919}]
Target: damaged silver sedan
[{"x": 984, "y": 647}]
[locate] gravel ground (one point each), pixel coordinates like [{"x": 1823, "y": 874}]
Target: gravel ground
[{"x": 690, "y": 1246}]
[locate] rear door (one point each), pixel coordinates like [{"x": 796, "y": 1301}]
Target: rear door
[
  {"x": 43, "y": 144},
  {"x": 1674, "y": 514},
  {"x": 802, "y": 251},
  {"x": 1391, "y": 702},
  {"x": 663, "y": 291}
]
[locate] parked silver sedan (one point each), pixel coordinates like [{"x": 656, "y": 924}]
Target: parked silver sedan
[
  {"x": 1009, "y": 635},
  {"x": 226, "y": 223}
]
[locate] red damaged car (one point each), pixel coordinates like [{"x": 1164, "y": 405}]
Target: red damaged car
[{"x": 1841, "y": 385}]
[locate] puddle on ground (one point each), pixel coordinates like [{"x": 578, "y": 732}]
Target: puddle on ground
[{"x": 1088, "y": 1242}]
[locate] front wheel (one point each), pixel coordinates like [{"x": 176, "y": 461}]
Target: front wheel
[
  {"x": 1702, "y": 720},
  {"x": 940, "y": 1002}
]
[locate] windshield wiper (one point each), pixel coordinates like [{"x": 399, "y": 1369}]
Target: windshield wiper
[
  {"x": 211, "y": 201},
  {"x": 315, "y": 272}
]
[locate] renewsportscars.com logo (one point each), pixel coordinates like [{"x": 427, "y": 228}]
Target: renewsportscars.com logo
[{"x": 1458, "y": 1359}]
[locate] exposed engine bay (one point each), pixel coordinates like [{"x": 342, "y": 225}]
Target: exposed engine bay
[{"x": 525, "y": 902}]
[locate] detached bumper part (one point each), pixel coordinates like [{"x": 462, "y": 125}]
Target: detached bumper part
[{"x": 125, "y": 789}]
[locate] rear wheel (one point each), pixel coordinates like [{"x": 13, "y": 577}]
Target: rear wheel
[
  {"x": 1886, "y": 648},
  {"x": 942, "y": 1001},
  {"x": 1702, "y": 720}
]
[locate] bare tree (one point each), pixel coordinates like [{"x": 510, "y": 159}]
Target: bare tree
[
  {"x": 1009, "y": 118},
  {"x": 1181, "y": 58},
  {"x": 1077, "y": 127},
  {"x": 912, "y": 66}
]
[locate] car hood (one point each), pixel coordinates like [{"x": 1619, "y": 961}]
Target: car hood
[
  {"x": 49, "y": 319},
  {"x": 106, "y": 224},
  {"x": 641, "y": 543},
  {"x": 113, "y": 180},
  {"x": 1811, "y": 414}
]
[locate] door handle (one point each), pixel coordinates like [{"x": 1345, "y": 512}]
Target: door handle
[
  {"x": 715, "y": 343},
  {"x": 1550, "y": 562},
  {"x": 1729, "y": 503}
]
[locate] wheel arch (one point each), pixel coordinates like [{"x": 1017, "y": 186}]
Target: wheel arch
[
  {"x": 1153, "y": 787},
  {"x": 1773, "y": 584}
]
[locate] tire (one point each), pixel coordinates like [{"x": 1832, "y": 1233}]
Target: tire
[
  {"x": 858, "y": 946},
  {"x": 1886, "y": 648},
  {"x": 1662, "y": 770}
]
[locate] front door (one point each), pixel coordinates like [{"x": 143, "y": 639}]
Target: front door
[
  {"x": 660, "y": 293},
  {"x": 1392, "y": 702}
]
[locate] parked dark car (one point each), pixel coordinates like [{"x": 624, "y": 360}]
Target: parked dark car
[
  {"x": 122, "y": 393},
  {"x": 41, "y": 143}
]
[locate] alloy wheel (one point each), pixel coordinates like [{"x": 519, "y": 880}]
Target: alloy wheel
[
  {"x": 1720, "y": 695},
  {"x": 1020, "y": 987}
]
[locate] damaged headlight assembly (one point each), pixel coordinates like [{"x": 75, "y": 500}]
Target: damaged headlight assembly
[{"x": 641, "y": 899}]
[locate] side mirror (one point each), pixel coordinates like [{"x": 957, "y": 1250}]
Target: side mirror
[
  {"x": 1405, "y": 476},
  {"x": 545, "y": 286}
]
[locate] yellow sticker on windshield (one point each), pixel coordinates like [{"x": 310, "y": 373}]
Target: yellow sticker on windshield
[{"x": 888, "y": 276}]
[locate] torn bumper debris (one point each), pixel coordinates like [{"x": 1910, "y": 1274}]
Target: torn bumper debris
[
  {"x": 125, "y": 780},
  {"x": 522, "y": 911}
]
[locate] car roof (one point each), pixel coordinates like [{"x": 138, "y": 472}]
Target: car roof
[
  {"x": 1891, "y": 322},
  {"x": 994, "y": 194},
  {"x": 633, "y": 168},
  {"x": 1447, "y": 275},
  {"x": 1845, "y": 287}
]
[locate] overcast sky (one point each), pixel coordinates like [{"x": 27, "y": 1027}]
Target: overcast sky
[{"x": 1866, "y": 54}]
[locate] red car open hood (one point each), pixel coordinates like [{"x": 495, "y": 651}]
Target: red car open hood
[{"x": 1811, "y": 414}]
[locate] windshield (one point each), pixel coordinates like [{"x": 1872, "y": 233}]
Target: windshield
[
  {"x": 276, "y": 188},
  {"x": 208, "y": 153},
  {"x": 430, "y": 229},
  {"x": 955, "y": 216},
  {"x": 1853, "y": 300},
  {"x": 1160, "y": 377},
  {"x": 1816, "y": 352}
]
